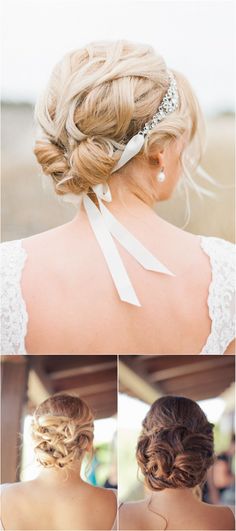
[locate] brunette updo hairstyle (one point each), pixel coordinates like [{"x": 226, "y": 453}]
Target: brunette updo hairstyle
[
  {"x": 62, "y": 431},
  {"x": 175, "y": 448},
  {"x": 97, "y": 98}
]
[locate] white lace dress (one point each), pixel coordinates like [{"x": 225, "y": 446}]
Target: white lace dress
[{"x": 221, "y": 298}]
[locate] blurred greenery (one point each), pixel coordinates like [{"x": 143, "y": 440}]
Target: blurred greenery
[
  {"x": 222, "y": 439},
  {"x": 96, "y": 470}
]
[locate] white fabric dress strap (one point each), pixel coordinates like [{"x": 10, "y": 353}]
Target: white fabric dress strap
[
  {"x": 104, "y": 225},
  {"x": 14, "y": 316},
  {"x": 221, "y": 297}
]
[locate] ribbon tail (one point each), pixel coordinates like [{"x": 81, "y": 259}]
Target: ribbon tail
[
  {"x": 131, "y": 244},
  {"x": 110, "y": 252}
]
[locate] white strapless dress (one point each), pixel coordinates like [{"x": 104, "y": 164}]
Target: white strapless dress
[{"x": 221, "y": 297}]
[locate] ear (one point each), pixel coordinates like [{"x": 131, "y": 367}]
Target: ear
[
  {"x": 157, "y": 158},
  {"x": 89, "y": 446}
]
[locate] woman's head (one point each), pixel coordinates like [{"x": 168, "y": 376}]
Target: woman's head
[
  {"x": 62, "y": 431},
  {"x": 175, "y": 448},
  {"x": 100, "y": 96}
]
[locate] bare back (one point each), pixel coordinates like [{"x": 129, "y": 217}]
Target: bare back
[
  {"x": 191, "y": 516},
  {"x": 73, "y": 305},
  {"x": 29, "y": 505}
]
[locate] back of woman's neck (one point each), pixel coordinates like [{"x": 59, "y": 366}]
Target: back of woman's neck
[
  {"x": 173, "y": 496},
  {"x": 62, "y": 476}
]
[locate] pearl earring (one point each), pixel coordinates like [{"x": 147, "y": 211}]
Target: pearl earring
[{"x": 161, "y": 176}]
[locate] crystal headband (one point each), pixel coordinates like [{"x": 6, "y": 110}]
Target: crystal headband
[{"x": 168, "y": 105}]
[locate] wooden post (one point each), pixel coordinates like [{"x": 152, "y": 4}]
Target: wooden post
[{"x": 14, "y": 371}]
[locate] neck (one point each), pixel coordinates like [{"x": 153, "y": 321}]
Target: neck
[
  {"x": 173, "y": 496},
  {"x": 64, "y": 475},
  {"x": 126, "y": 207},
  {"x": 123, "y": 194}
]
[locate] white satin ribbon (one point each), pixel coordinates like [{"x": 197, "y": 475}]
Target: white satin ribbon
[
  {"x": 133, "y": 147},
  {"x": 104, "y": 226}
]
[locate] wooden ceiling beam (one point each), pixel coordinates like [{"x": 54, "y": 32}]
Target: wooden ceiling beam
[
  {"x": 79, "y": 371},
  {"x": 200, "y": 365},
  {"x": 56, "y": 363},
  {"x": 99, "y": 403},
  {"x": 215, "y": 388},
  {"x": 84, "y": 380},
  {"x": 94, "y": 389},
  {"x": 187, "y": 381},
  {"x": 137, "y": 383},
  {"x": 166, "y": 360}
]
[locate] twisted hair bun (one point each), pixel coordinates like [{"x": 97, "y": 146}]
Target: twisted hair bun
[
  {"x": 97, "y": 98},
  {"x": 62, "y": 431},
  {"x": 175, "y": 448}
]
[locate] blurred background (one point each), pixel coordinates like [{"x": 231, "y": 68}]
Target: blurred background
[
  {"x": 209, "y": 380},
  {"x": 194, "y": 37},
  {"x": 28, "y": 380}
]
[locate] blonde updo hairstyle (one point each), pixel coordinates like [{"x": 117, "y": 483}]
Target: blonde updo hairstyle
[
  {"x": 62, "y": 431},
  {"x": 175, "y": 448},
  {"x": 97, "y": 98}
]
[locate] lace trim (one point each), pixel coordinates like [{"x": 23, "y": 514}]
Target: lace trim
[
  {"x": 14, "y": 317},
  {"x": 221, "y": 296}
]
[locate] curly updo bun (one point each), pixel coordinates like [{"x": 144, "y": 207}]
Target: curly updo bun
[
  {"x": 62, "y": 431},
  {"x": 175, "y": 448},
  {"x": 97, "y": 98}
]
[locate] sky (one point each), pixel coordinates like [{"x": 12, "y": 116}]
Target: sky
[{"x": 195, "y": 37}]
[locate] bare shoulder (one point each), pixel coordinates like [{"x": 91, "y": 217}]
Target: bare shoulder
[
  {"x": 222, "y": 517},
  {"x": 45, "y": 236},
  {"x": 12, "y": 495},
  {"x": 104, "y": 502},
  {"x": 8, "y": 489},
  {"x": 226, "y": 517},
  {"x": 11, "y": 490},
  {"x": 104, "y": 495}
]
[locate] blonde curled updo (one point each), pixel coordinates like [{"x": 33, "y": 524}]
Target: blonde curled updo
[
  {"x": 175, "y": 448},
  {"x": 62, "y": 431},
  {"x": 97, "y": 98}
]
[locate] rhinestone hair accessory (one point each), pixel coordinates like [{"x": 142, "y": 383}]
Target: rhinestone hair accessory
[{"x": 169, "y": 104}]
